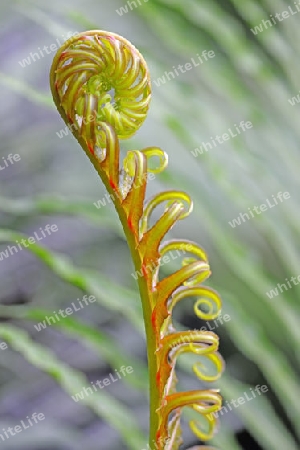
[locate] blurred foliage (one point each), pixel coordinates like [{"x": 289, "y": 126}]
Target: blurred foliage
[{"x": 251, "y": 78}]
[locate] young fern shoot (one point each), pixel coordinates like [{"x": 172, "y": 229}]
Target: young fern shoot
[{"x": 101, "y": 87}]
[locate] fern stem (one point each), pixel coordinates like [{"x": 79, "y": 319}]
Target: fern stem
[{"x": 84, "y": 72}]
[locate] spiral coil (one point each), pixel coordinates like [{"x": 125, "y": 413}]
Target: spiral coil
[
  {"x": 101, "y": 77},
  {"x": 101, "y": 86}
]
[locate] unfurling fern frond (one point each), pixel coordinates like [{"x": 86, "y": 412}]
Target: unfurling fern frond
[{"x": 101, "y": 86}]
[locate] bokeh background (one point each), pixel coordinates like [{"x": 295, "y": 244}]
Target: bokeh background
[{"x": 251, "y": 78}]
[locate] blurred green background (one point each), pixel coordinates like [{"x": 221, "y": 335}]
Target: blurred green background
[{"x": 251, "y": 78}]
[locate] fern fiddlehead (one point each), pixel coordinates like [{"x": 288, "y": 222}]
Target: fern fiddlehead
[{"x": 101, "y": 87}]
